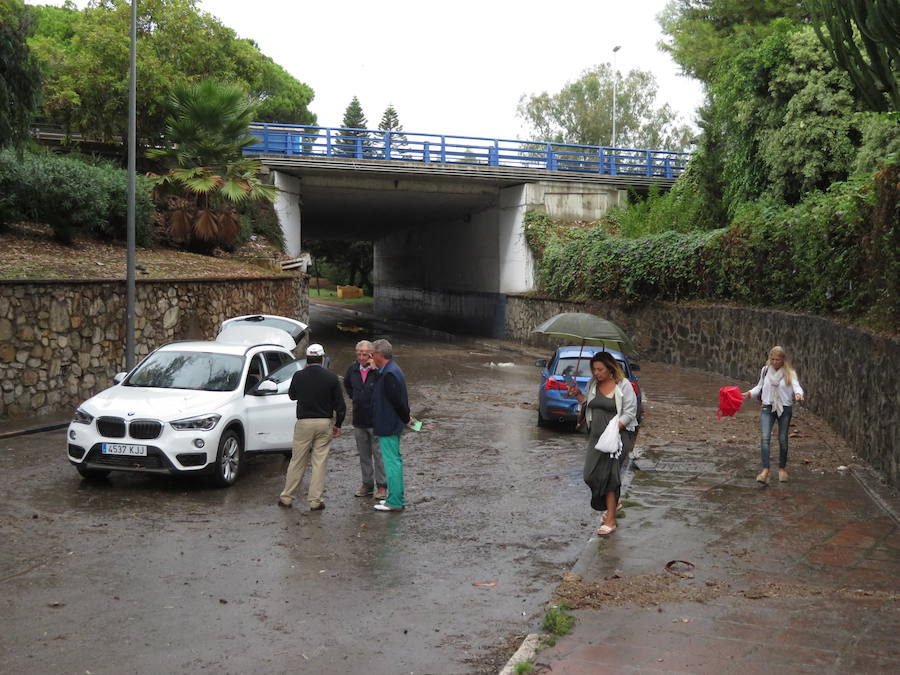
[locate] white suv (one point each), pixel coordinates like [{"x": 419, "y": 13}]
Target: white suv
[{"x": 195, "y": 407}]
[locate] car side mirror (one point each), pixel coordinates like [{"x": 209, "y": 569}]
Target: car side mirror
[
  {"x": 265, "y": 388},
  {"x": 541, "y": 363},
  {"x": 118, "y": 377}
]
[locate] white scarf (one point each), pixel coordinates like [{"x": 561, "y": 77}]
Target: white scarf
[{"x": 773, "y": 382}]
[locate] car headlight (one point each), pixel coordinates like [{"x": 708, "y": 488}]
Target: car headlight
[
  {"x": 82, "y": 417},
  {"x": 200, "y": 422}
]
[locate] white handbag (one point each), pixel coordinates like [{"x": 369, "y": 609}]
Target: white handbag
[{"x": 610, "y": 440}]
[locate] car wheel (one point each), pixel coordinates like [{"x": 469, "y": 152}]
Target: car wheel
[
  {"x": 91, "y": 474},
  {"x": 541, "y": 420},
  {"x": 228, "y": 459}
]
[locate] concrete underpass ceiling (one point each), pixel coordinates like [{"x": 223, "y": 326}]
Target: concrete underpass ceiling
[
  {"x": 351, "y": 200},
  {"x": 348, "y": 212}
]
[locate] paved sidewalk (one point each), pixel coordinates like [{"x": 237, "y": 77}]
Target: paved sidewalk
[
  {"x": 796, "y": 577},
  {"x": 33, "y": 425}
]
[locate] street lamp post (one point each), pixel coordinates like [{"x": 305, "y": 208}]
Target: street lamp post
[
  {"x": 130, "y": 218},
  {"x": 615, "y": 92}
]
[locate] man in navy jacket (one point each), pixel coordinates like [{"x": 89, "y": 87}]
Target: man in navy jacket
[
  {"x": 390, "y": 404},
  {"x": 359, "y": 383}
]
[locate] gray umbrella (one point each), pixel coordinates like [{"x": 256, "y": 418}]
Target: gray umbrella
[{"x": 585, "y": 329}]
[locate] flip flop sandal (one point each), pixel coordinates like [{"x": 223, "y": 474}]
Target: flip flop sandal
[{"x": 606, "y": 529}]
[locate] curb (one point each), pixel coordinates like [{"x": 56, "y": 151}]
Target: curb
[
  {"x": 870, "y": 482},
  {"x": 24, "y": 431},
  {"x": 526, "y": 650}
]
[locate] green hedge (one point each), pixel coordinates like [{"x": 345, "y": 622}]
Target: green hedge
[
  {"x": 835, "y": 253},
  {"x": 72, "y": 195}
]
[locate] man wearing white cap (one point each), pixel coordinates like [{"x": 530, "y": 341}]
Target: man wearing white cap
[{"x": 319, "y": 399}]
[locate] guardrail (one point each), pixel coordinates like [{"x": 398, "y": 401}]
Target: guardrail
[{"x": 375, "y": 144}]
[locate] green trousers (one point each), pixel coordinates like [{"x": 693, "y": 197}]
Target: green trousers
[{"x": 393, "y": 469}]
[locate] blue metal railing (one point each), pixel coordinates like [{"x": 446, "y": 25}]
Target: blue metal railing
[{"x": 307, "y": 141}]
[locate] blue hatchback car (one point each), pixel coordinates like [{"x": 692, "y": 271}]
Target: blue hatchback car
[{"x": 553, "y": 404}]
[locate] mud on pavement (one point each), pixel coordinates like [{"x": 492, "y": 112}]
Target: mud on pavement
[{"x": 727, "y": 574}]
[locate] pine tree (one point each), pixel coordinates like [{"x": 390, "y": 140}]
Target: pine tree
[
  {"x": 390, "y": 121},
  {"x": 354, "y": 118}
]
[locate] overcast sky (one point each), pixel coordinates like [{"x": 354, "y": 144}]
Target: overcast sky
[{"x": 453, "y": 68}]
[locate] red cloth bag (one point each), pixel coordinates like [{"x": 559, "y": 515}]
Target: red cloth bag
[{"x": 730, "y": 401}]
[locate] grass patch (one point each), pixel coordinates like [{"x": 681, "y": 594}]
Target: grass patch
[
  {"x": 547, "y": 641},
  {"x": 328, "y": 294},
  {"x": 557, "y": 621},
  {"x": 524, "y": 668}
]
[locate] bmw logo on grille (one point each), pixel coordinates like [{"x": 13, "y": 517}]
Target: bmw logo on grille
[{"x": 131, "y": 414}]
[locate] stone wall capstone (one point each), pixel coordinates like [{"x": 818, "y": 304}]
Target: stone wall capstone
[
  {"x": 851, "y": 376},
  {"x": 62, "y": 341}
]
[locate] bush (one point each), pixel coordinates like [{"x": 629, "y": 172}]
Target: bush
[
  {"x": 71, "y": 195},
  {"x": 880, "y": 141},
  {"x": 837, "y": 252},
  {"x": 557, "y": 621},
  {"x": 263, "y": 221},
  {"x": 681, "y": 209}
]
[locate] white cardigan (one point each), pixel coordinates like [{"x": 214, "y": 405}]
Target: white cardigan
[
  {"x": 763, "y": 390},
  {"x": 626, "y": 403}
]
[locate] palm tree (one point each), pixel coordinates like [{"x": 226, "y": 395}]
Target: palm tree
[{"x": 209, "y": 177}]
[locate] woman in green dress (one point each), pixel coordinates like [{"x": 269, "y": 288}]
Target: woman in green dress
[{"x": 607, "y": 394}]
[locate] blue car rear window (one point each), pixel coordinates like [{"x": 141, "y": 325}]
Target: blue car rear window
[{"x": 566, "y": 366}]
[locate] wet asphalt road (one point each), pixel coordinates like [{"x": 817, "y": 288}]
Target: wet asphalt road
[{"x": 158, "y": 575}]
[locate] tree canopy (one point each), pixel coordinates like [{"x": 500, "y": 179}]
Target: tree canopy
[
  {"x": 779, "y": 120},
  {"x": 20, "y": 77},
  {"x": 354, "y": 118},
  {"x": 390, "y": 120},
  {"x": 702, "y": 35},
  {"x": 353, "y": 123},
  {"x": 84, "y": 57},
  {"x": 581, "y": 112}
]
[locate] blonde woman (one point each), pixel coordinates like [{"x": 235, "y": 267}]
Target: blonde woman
[
  {"x": 608, "y": 393},
  {"x": 778, "y": 388}
]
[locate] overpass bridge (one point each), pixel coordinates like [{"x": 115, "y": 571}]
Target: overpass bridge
[{"x": 445, "y": 212}]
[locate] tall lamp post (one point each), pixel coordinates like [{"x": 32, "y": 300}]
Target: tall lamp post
[
  {"x": 130, "y": 224},
  {"x": 615, "y": 92}
]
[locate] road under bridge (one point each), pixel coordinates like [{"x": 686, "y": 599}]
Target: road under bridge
[{"x": 445, "y": 214}]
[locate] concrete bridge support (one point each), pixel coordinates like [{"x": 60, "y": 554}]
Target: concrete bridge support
[{"x": 287, "y": 208}]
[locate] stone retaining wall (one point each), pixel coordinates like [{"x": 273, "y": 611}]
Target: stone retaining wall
[
  {"x": 62, "y": 341},
  {"x": 850, "y": 375}
]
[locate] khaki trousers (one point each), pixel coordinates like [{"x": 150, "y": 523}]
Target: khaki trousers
[{"x": 311, "y": 437}]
